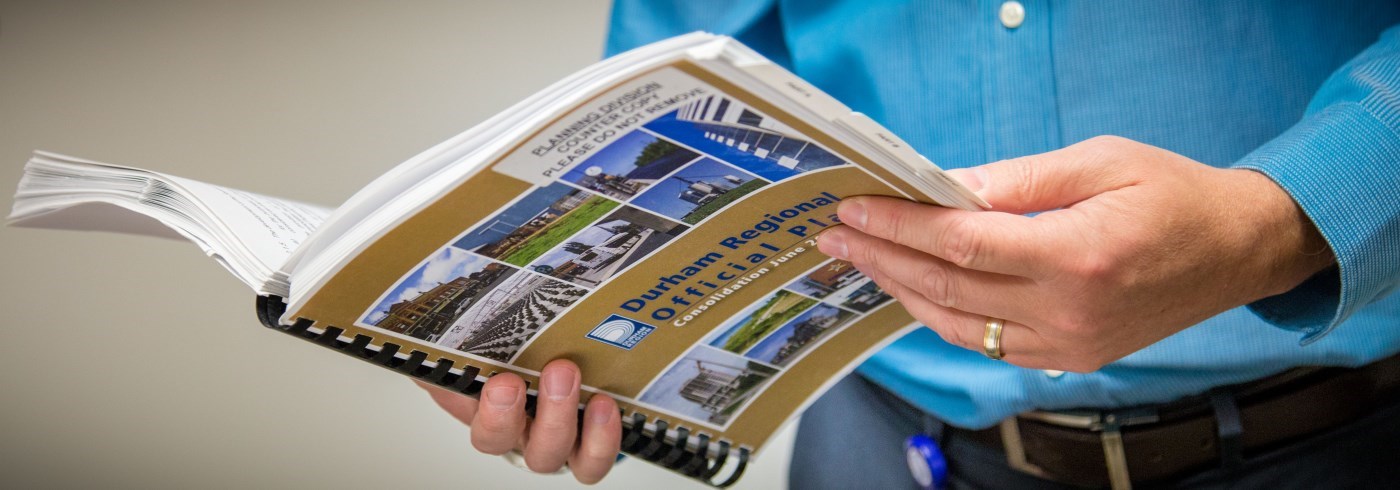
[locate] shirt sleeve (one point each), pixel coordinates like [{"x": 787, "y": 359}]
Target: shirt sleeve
[
  {"x": 1341, "y": 164},
  {"x": 754, "y": 23}
]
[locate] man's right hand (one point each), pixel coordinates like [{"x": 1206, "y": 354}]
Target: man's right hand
[{"x": 552, "y": 437}]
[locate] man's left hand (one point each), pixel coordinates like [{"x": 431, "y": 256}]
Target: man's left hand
[{"x": 1132, "y": 243}]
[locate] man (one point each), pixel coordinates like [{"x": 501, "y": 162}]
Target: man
[{"x": 1244, "y": 222}]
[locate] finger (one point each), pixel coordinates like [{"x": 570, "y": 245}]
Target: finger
[
  {"x": 1019, "y": 344},
  {"x": 986, "y": 241},
  {"x": 940, "y": 320},
  {"x": 1055, "y": 179},
  {"x": 600, "y": 442},
  {"x": 500, "y": 417},
  {"x": 459, "y": 406},
  {"x": 936, "y": 280},
  {"x": 555, "y": 427}
]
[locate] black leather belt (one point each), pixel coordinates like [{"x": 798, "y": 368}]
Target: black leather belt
[{"x": 1159, "y": 442}]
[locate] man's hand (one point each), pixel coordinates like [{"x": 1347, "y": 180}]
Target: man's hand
[
  {"x": 499, "y": 424},
  {"x": 1133, "y": 243}
]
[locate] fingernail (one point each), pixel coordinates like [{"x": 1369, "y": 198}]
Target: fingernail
[
  {"x": 974, "y": 179},
  {"x": 833, "y": 244},
  {"x": 600, "y": 417},
  {"x": 502, "y": 398},
  {"x": 558, "y": 383},
  {"x": 853, "y": 213}
]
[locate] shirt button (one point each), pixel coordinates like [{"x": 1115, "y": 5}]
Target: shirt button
[
  {"x": 1012, "y": 14},
  {"x": 1053, "y": 374}
]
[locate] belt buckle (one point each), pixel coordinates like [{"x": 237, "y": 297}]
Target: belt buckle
[
  {"x": 1114, "y": 456},
  {"x": 1109, "y": 426},
  {"x": 1015, "y": 449}
]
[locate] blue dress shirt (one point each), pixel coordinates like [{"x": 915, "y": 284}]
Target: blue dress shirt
[{"x": 1306, "y": 92}]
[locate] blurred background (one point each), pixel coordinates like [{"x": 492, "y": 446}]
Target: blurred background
[{"x": 137, "y": 362}]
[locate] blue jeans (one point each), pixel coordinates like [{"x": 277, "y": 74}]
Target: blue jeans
[{"x": 853, "y": 437}]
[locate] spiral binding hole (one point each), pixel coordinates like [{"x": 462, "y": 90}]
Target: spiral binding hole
[
  {"x": 386, "y": 355},
  {"x": 719, "y": 460},
  {"x": 264, "y": 309},
  {"x": 299, "y": 327},
  {"x": 652, "y": 450},
  {"x": 696, "y": 465},
  {"x": 360, "y": 347},
  {"x": 329, "y": 336},
  {"x": 743, "y": 463},
  {"x": 413, "y": 364},
  {"x": 531, "y": 402},
  {"x": 633, "y": 440},
  {"x": 678, "y": 448},
  {"x": 467, "y": 384},
  {"x": 443, "y": 369}
]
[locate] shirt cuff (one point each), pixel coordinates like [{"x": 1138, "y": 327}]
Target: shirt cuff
[{"x": 1342, "y": 166}]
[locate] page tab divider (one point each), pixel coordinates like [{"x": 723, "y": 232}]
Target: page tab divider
[
  {"x": 927, "y": 175},
  {"x": 797, "y": 89}
]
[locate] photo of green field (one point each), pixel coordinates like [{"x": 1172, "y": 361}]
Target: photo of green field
[
  {"x": 756, "y": 322},
  {"x": 558, "y": 230}
]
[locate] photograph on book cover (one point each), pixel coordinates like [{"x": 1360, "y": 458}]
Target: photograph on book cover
[
  {"x": 424, "y": 304},
  {"x": 827, "y": 279},
  {"x": 718, "y": 376},
  {"x": 629, "y": 165},
  {"x": 839, "y": 283},
  {"x": 471, "y": 304},
  {"x": 510, "y": 316},
  {"x": 758, "y": 320},
  {"x": 729, "y": 130},
  {"x": 708, "y": 386},
  {"x": 698, "y": 190},
  {"x": 862, "y": 296},
  {"x": 535, "y": 223},
  {"x": 785, "y": 344},
  {"x": 608, "y": 246}
]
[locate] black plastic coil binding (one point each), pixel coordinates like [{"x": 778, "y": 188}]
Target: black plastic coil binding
[{"x": 675, "y": 452}]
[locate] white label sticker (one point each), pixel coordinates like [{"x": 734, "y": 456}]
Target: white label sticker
[{"x": 588, "y": 129}]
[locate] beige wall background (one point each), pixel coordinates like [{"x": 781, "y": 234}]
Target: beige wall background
[{"x": 136, "y": 362}]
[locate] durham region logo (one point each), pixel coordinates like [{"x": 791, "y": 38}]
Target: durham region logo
[{"x": 620, "y": 331}]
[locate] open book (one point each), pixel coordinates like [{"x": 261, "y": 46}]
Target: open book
[{"x": 652, "y": 217}]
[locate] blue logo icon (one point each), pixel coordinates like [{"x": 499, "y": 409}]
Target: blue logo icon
[{"x": 621, "y": 332}]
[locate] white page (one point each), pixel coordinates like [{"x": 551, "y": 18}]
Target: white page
[
  {"x": 250, "y": 234},
  {"x": 269, "y": 228}
]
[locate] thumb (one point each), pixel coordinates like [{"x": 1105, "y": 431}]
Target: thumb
[{"x": 1050, "y": 180}]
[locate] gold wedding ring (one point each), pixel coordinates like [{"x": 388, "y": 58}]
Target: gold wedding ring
[{"x": 991, "y": 341}]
